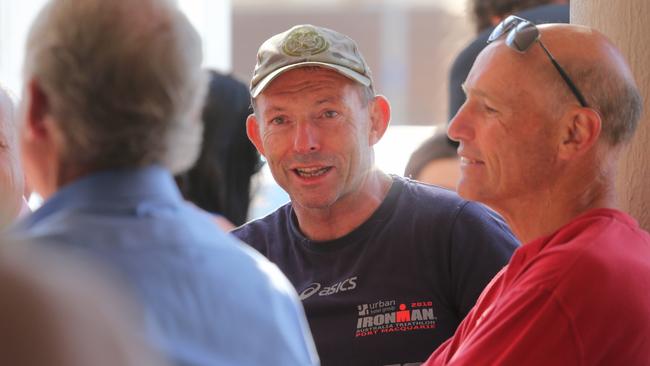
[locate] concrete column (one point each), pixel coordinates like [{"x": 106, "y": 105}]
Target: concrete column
[{"x": 625, "y": 23}]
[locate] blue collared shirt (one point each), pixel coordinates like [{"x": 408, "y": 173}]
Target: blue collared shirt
[{"x": 208, "y": 298}]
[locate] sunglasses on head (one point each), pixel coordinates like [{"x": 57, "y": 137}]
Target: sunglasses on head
[{"x": 521, "y": 35}]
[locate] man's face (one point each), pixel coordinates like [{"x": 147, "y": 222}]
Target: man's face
[
  {"x": 505, "y": 129},
  {"x": 313, "y": 128}
]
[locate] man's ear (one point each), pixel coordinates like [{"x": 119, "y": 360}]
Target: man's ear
[
  {"x": 580, "y": 131},
  {"x": 379, "y": 118},
  {"x": 253, "y": 132},
  {"x": 37, "y": 109}
]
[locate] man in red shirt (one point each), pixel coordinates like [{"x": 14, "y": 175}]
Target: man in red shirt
[{"x": 540, "y": 136}]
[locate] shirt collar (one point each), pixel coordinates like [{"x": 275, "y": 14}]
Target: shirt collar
[{"x": 111, "y": 187}]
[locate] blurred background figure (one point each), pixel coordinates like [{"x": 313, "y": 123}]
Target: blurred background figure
[
  {"x": 58, "y": 312},
  {"x": 435, "y": 161},
  {"x": 220, "y": 180},
  {"x": 486, "y": 14},
  {"x": 11, "y": 174}
]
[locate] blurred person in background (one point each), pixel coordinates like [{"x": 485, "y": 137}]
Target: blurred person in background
[
  {"x": 111, "y": 108},
  {"x": 384, "y": 265},
  {"x": 486, "y": 14},
  {"x": 57, "y": 310},
  {"x": 11, "y": 174},
  {"x": 220, "y": 180},
  {"x": 435, "y": 162}
]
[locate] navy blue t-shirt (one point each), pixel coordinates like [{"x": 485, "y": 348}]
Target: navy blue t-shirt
[{"x": 392, "y": 290}]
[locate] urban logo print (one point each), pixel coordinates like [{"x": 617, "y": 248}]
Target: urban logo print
[{"x": 385, "y": 317}]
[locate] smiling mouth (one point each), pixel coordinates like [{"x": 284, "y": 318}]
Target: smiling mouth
[
  {"x": 464, "y": 160},
  {"x": 311, "y": 172}
]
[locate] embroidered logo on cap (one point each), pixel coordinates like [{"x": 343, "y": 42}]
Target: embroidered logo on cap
[{"x": 304, "y": 41}]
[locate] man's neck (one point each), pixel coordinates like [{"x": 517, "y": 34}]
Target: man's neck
[
  {"x": 63, "y": 174},
  {"x": 347, "y": 213},
  {"x": 545, "y": 212}
]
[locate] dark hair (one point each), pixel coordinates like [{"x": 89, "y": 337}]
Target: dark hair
[
  {"x": 220, "y": 181},
  {"x": 483, "y": 10},
  {"x": 438, "y": 146}
]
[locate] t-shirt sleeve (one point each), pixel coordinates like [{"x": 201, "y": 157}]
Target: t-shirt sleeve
[
  {"x": 247, "y": 235},
  {"x": 516, "y": 332},
  {"x": 481, "y": 244}
]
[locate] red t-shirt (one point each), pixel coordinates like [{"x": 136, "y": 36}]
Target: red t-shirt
[{"x": 580, "y": 296}]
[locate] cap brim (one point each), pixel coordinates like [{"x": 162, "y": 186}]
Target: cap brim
[{"x": 349, "y": 73}]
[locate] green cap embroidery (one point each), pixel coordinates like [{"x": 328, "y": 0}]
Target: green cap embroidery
[{"x": 304, "y": 41}]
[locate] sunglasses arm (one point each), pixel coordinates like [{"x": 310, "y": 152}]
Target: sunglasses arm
[{"x": 564, "y": 75}]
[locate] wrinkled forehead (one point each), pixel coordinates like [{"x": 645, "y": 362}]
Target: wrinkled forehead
[
  {"x": 308, "y": 76},
  {"x": 502, "y": 71},
  {"x": 308, "y": 83}
]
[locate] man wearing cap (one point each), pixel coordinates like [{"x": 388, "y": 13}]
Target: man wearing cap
[
  {"x": 384, "y": 265},
  {"x": 110, "y": 110},
  {"x": 578, "y": 291}
]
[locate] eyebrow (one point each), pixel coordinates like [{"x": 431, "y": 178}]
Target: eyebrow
[
  {"x": 480, "y": 93},
  {"x": 326, "y": 100},
  {"x": 318, "y": 102},
  {"x": 274, "y": 109}
]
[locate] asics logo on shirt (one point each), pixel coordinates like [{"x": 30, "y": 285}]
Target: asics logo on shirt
[{"x": 347, "y": 284}]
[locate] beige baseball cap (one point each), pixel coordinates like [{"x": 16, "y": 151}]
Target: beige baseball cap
[{"x": 308, "y": 45}]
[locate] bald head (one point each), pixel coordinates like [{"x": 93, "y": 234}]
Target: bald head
[
  {"x": 525, "y": 131},
  {"x": 596, "y": 67},
  {"x": 602, "y": 73}
]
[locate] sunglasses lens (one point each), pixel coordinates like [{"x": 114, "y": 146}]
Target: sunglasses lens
[
  {"x": 523, "y": 36},
  {"x": 496, "y": 33},
  {"x": 502, "y": 28}
]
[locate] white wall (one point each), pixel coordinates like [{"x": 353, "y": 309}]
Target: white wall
[
  {"x": 15, "y": 18},
  {"x": 212, "y": 18}
]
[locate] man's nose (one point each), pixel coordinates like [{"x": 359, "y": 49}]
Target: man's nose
[
  {"x": 306, "y": 137},
  {"x": 459, "y": 128}
]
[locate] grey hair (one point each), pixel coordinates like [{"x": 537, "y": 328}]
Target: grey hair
[
  {"x": 612, "y": 94},
  {"x": 123, "y": 80}
]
